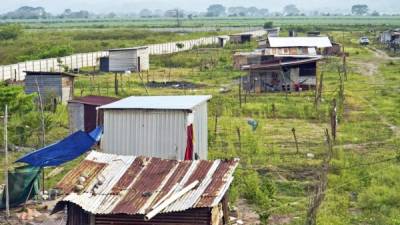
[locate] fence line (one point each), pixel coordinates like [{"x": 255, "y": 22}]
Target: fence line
[{"x": 17, "y": 71}]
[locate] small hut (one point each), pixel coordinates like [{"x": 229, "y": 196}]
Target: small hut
[
  {"x": 129, "y": 59},
  {"x": 52, "y": 86},
  {"x": 107, "y": 189},
  {"x": 222, "y": 40},
  {"x": 169, "y": 127},
  {"x": 240, "y": 38},
  {"x": 83, "y": 114}
]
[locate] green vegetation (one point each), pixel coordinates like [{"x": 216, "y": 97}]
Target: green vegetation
[{"x": 276, "y": 179}]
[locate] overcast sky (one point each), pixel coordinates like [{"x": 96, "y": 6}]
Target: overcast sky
[{"x": 126, "y": 6}]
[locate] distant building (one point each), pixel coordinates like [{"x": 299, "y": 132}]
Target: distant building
[
  {"x": 313, "y": 33},
  {"x": 240, "y": 38},
  {"x": 169, "y": 127},
  {"x": 222, "y": 40},
  {"x": 273, "y": 32},
  {"x": 264, "y": 54},
  {"x": 83, "y": 114},
  {"x": 390, "y": 37},
  {"x": 106, "y": 189},
  {"x": 129, "y": 59},
  {"x": 52, "y": 86}
]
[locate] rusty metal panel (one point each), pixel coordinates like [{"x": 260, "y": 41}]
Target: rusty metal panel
[
  {"x": 133, "y": 185},
  {"x": 86, "y": 168},
  {"x": 145, "y": 186}
]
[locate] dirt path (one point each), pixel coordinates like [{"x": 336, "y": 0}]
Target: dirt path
[
  {"x": 246, "y": 214},
  {"x": 371, "y": 68}
]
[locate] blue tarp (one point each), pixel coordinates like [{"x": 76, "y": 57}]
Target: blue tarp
[{"x": 63, "y": 151}]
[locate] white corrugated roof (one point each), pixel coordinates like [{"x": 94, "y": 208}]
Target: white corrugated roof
[
  {"x": 184, "y": 102},
  {"x": 319, "y": 42}
]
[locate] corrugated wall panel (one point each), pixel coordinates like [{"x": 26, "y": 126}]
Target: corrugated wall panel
[
  {"x": 121, "y": 61},
  {"x": 201, "y": 131},
  {"x": 76, "y": 116},
  {"x": 156, "y": 133}
]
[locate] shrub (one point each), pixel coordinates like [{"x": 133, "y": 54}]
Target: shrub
[{"x": 10, "y": 32}]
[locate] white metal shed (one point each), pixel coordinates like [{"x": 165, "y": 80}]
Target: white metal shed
[
  {"x": 129, "y": 59},
  {"x": 156, "y": 126}
]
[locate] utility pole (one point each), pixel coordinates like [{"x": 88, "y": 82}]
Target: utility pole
[
  {"x": 178, "y": 22},
  {"x": 6, "y": 162}
]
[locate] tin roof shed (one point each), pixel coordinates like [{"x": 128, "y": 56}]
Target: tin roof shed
[
  {"x": 144, "y": 186},
  {"x": 157, "y": 126}
]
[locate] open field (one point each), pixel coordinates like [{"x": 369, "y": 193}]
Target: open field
[
  {"x": 322, "y": 21},
  {"x": 276, "y": 179}
]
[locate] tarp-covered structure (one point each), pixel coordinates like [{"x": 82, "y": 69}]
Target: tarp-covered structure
[{"x": 24, "y": 185}]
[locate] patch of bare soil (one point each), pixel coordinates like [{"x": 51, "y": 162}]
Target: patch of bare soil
[
  {"x": 280, "y": 219},
  {"x": 246, "y": 213}
]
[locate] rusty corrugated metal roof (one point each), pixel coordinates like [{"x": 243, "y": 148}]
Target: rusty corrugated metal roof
[
  {"x": 94, "y": 100},
  {"x": 136, "y": 185}
]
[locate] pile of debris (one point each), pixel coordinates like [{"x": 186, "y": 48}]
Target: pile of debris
[{"x": 174, "y": 84}]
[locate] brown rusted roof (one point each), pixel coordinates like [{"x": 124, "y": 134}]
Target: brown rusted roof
[
  {"x": 136, "y": 185},
  {"x": 94, "y": 100}
]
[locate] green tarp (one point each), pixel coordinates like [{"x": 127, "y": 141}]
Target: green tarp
[{"x": 23, "y": 183}]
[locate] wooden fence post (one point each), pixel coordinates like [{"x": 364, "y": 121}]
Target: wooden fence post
[
  {"x": 239, "y": 138},
  {"x": 295, "y": 140}
]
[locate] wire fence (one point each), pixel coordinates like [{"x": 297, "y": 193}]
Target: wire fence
[{"x": 17, "y": 71}]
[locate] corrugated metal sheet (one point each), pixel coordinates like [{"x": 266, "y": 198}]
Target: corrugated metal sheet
[
  {"x": 94, "y": 100},
  {"x": 154, "y": 133},
  {"x": 183, "y": 102},
  {"x": 319, "y": 42},
  {"x": 76, "y": 116},
  {"x": 129, "y": 59},
  {"x": 134, "y": 185}
]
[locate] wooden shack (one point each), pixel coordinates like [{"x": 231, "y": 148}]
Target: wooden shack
[
  {"x": 240, "y": 38},
  {"x": 129, "y": 59},
  {"x": 83, "y": 114},
  {"x": 139, "y": 190},
  {"x": 52, "y": 86}
]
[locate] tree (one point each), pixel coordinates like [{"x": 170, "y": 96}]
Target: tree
[
  {"x": 145, "y": 13},
  {"x": 375, "y": 13},
  {"x": 359, "y": 9},
  {"x": 268, "y": 24},
  {"x": 291, "y": 10},
  {"x": 215, "y": 10}
]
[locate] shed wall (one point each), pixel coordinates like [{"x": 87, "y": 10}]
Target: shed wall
[
  {"x": 49, "y": 86},
  {"x": 76, "y": 116},
  {"x": 120, "y": 61},
  {"x": 201, "y": 131},
  {"x": 155, "y": 133},
  {"x": 127, "y": 60},
  {"x": 190, "y": 217}
]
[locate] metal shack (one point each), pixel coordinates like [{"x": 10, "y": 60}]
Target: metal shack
[
  {"x": 107, "y": 189},
  {"x": 83, "y": 114},
  {"x": 52, "y": 86},
  {"x": 281, "y": 74},
  {"x": 169, "y": 127},
  {"x": 129, "y": 59}
]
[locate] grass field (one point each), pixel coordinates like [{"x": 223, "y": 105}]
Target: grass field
[
  {"x": 322, "y": 21},
  {"x": 278, "y": 181}
]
